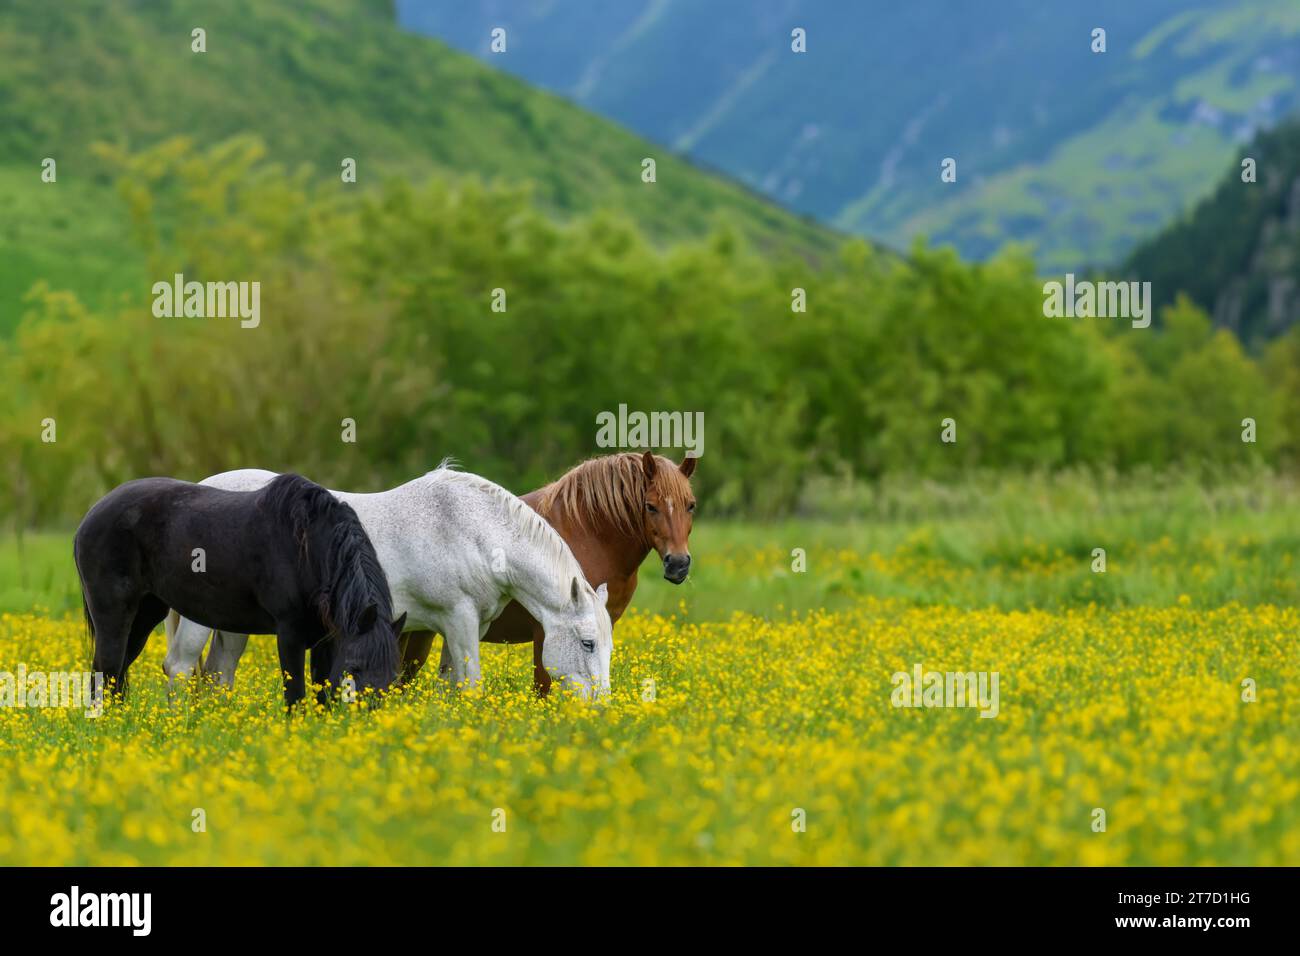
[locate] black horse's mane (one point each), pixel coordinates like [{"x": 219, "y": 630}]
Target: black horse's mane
[{"x": 350, "y": 575}]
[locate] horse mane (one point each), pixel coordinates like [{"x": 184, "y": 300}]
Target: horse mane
[
  {"x": 535, "y": 529},
  {"x": 612, "y": 488},
  {"x": 351, "y": 577}
]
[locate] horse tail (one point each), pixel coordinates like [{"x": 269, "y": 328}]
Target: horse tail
[
  {"x": 85, "y": 607},
  {"x": 90, "y": 625}
]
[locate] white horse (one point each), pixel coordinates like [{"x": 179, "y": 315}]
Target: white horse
[{"x": 456, "y": 549}]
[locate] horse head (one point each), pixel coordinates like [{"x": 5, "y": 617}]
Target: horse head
[
  {"x": 369, "y": 651},
  {"x": 580, "y": 640},
  {"x": 355, "y": 604},
  {"x": 669, "y": 512}
]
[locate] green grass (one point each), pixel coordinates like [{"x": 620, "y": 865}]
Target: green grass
[
  {"x": 37, "y": 573},
  {"x": 1004, "y": 542}
]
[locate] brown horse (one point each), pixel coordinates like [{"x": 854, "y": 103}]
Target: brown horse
[{"x": 612, "y": 512}]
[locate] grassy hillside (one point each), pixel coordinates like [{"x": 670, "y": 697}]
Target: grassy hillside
[
  {"x": 317, "y": 81},
  {"x": 1080, "y": 155},
  {"x": 1237, "y": 253},
  {"x": 1209, "y": 79}
]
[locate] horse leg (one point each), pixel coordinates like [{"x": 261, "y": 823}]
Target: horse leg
[
  {"x": 111, "y": 631},
  {"x": 322, "y": 663},
  {"x": 223, "y": 657},
  {"x": 541, "y": 677},
  {"x": 293, "y": 659},
  {"x": 415, "y": 647},
  {"x": 444, "y": 662},
  {"x": 460, "y": 640},
  {"x": 170, "y": 623},
  {"x": 185, "y": 640},
  {"x": 148, "y": 614},
  {"x": 111, "y": 621}
]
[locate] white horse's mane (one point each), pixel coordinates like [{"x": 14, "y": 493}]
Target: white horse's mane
[{"x": 536, "y": 530}]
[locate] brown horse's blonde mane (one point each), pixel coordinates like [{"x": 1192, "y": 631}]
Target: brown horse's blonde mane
[{"x": 613, "y": 488}]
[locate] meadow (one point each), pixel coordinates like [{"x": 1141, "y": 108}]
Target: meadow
[{"x": 751, "y": 720}]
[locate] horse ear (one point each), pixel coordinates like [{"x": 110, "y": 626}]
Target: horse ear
[
  {"x": 399, "y": 624},
  {"x": 648, "y": 463},
  {"x": 687, "y": 467},
  {"x": 367, "y": 619},
  {"x": 575, "y": 591},
  {"x": 602, "y": 594}
]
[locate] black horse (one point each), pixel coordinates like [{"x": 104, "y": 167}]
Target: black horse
[{"x": 289, "y": 559}]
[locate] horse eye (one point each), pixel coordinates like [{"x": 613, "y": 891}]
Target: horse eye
[
  {"x": 691, "y": 507},
  {"x": 589, "y": 646},
  {"x": 651, "y": 508}
]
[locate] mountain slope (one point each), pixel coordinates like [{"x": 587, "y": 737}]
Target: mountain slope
[
  {"x": 1079, "y": 154},
  {"x": 1237, "y": 253},
  {"x": 317, "y": 81}
]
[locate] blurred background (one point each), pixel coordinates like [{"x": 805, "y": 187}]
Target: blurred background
[{"x": 522, "y": 170}]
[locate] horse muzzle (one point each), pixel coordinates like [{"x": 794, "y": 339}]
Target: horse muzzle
[{"x": 677, "y": 567}]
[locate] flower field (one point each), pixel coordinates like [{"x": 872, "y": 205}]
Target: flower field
[{"x": 749, "y": 740}]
